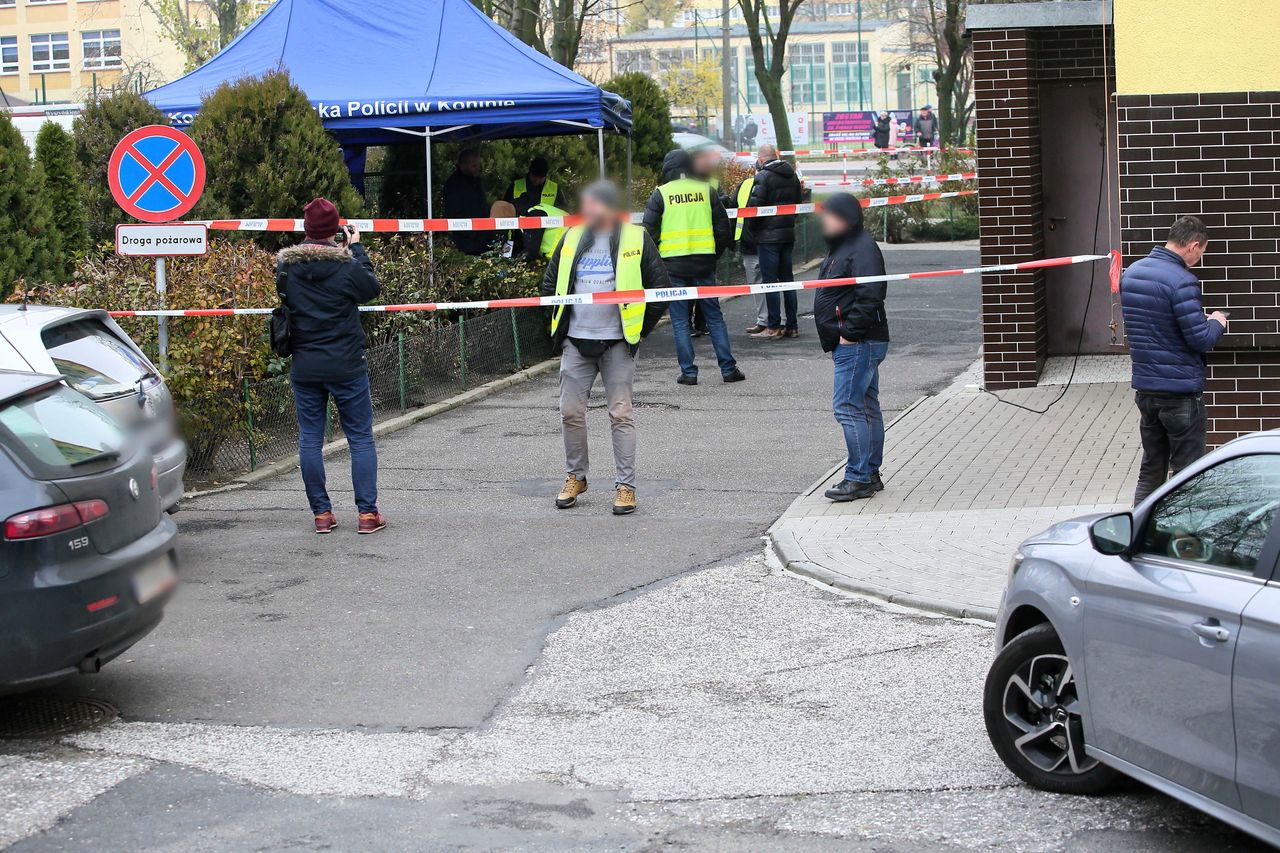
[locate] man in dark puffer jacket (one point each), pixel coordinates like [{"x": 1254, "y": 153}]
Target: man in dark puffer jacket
[
  {"x": 323, "y": 284},
  {"x": 775, "y": 236},
  {"x": 853, "y": 327},
  {"x": 1168, "y": 336}
]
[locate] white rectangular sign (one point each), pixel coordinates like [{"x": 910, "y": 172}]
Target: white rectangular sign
[{"x": 162, "y": 241}]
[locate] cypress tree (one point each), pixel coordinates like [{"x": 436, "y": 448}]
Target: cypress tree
[
  {"x": 97, "y": 130},
  {"x": 650, "y": 123},
  {"x": 25, "y": 248},
  {"x": 56, "y": 158}
]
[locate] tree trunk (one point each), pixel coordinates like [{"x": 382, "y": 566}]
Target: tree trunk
[{"x": 771, "y": 88}]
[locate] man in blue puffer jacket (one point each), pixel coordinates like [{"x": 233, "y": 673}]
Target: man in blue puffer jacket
[{"x": 1168, "y": 337}]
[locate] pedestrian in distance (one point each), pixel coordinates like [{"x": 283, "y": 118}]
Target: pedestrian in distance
[
  {"x": 776, "y": 183},
  {"x": 882, "y": 130},
  {"x": 535, "y": 188},
  {"x": 322, "y": 282},
  {"x": 687, "y": 221},
  {"x": 926, "y": 126},
  {"x": 747, "y": 249},
  {"x": 465, "y": 198},
  {"x": 602, "y": 255},
  {"x": 1169, "y": 335},
  {"x": 853, "y": 327}
]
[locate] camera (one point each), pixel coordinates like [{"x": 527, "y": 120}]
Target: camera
[{"x": 344, "y": 231}]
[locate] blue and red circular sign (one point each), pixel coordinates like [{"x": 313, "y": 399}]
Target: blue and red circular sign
[{"x": 156, "y": 173}]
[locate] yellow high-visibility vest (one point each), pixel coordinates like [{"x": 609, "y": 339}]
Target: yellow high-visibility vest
[
  {"x": 744, "y": 196},
  {"x": 549, "y": 190},
  {"x": 550, "y": 236},
  {"x": 686, "y": 219},
  {"x": 626, "y": 273}
]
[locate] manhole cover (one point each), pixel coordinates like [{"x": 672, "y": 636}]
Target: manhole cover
[{"x": 24, "y": 717}]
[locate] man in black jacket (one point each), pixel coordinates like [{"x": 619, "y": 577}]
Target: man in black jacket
[
  {"x": 852, "y": 326},
  {"x": 687, "y": 221},
  {"x": 775, "y": 236},
  {"x": 465, "y": 198},
  {"x": 323, "y": 284},
  {"x": 602, "y": 255}
]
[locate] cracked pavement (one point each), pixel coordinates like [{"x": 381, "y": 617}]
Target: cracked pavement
[{"x": 491, "y": 673}]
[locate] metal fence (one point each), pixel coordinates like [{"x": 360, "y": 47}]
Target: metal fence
[{"x": 231, "y": 436}]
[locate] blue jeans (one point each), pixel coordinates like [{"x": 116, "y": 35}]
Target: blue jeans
[
  {"x": 355, "y": 414},
  {"x": 856, "y": 404},
  {"x": 775, "y": 265},
  {"x": 716, "y": 328}
]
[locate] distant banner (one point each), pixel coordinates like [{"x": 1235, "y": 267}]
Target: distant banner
[{"x": 859, "y": 125}]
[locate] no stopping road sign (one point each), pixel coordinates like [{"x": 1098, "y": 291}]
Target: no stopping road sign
[{"x": 156, "y": 173}]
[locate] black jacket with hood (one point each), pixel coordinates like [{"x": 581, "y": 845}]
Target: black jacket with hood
[
  {"x": 323, "y": 287},
  {"x": 653, "y": 274},
  {"x": 776, "y": 183},
  {"x": 880, "y": 134},
  {"x": 678, "y": 164},
  {"x": 854, "y": 312}
]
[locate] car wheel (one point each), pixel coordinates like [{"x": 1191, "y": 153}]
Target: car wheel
[{"x": 1033, "y": 717}]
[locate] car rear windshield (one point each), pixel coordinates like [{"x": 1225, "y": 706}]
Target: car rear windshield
[
  {"x": 58, "y": 431},
  {"x": 93, "y": 360}
]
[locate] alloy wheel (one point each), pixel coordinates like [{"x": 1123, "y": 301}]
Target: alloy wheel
[{"x": 1041, "y": 704}]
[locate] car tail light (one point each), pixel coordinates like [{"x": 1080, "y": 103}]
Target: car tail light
[{"x": 53, "y": 519}]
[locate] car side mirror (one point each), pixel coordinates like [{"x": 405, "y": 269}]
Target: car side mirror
[{"x": 1113, "y": 534}]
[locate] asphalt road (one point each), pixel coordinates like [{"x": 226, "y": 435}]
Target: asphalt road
[{"x": 429, "y": 624}]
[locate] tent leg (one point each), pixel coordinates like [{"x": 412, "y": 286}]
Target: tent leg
[
  {"x": 431, "y": 235},
  {"x": 600, "y": 140}
]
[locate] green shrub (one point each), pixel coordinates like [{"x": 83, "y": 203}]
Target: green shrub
[
  {"x": 29, "y": 242},
  {"x": 268, "y": 154},
  {"x": 650, "y": 124},
  {"x": 97, "y": 130},
  {"x": 56, "y": 155}
]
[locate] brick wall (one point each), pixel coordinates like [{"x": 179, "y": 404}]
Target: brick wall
[
  {"x": 1216, "y": 156},
  {"x": 1015, "y": 339},
  {"x": 1008, "y": 66}
]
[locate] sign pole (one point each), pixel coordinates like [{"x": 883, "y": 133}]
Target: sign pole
[{"x": 162, "y": 284}]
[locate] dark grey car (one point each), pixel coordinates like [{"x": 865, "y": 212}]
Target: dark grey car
[
  {"x": 1148, "y": 644},
  {"x": 87, "y": 557}
]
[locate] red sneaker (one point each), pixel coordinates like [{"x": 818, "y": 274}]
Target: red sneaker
[
  {"x": 371, "y": 522},
  {"x": 325, "y": 522}
]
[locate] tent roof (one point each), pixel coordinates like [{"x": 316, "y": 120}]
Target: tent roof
[{"x": 380, "y": 64}]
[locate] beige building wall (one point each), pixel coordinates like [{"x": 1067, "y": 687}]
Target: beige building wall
[{"x": 56, "y": 50}]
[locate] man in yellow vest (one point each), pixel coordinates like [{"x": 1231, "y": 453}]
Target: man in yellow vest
[
  {"x": 687, "y": 221},
  {"x": 534, "y": 188},
  {"x": 602, "y": 255}
]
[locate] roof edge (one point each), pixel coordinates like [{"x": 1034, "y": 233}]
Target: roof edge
[{"x": 1054, "y": 13}]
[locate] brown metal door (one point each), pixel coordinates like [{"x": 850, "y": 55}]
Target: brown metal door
[{"x": 1077, "y": 219}]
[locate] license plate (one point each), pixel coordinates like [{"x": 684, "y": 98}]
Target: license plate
[{"x": 154, "y": 579}]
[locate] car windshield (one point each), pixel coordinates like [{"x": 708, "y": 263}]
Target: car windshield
[
  {"x": 93, "y": 360},
  {"x": 59, "y": 429}
]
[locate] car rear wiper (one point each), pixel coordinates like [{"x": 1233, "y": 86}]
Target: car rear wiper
[{"x": 104, "y": 456}]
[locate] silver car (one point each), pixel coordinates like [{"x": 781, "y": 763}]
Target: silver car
[
  {"x": 1147, "y": 643},
  {"x": 95, "y": 357}
]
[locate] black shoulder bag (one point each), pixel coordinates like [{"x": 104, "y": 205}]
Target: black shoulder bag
[{"x": 281, "y": 336}]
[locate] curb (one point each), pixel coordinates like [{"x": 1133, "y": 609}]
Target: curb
[
  {"x": 386, "y": 427},
  {"x": 795, "y": 561}
]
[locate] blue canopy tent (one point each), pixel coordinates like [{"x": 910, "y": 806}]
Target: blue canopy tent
[{"x": 379, "y": 71}]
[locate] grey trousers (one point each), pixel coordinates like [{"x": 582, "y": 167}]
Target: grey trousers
[
  {"x": 752, "y": 265},
  {"x": 617, "y": 367}
]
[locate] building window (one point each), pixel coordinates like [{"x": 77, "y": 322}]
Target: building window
[
  {"x": 634, "y": 60},
  {"x": 50, "y": 52},
  {"x": 754, "y": 96},
  {"x": 8, "y": 54},
  {"x": 7, "y": 3},
  {"x": 43, "y": 2},
  {"x": 101, "y": 48},
  {"x": 851, "y": 73},
  {"x": 673, "y": 57},
  {"x": 837, "y": 10},
  {"x": 808, "y": 67}
]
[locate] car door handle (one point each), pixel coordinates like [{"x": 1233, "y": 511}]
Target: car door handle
[{"x": 1211, "y": 631}]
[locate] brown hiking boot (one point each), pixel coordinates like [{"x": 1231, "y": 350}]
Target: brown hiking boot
[
  {"x": 769, "y": 334},
  {"x": 325, "y": 522},
  {"x": 624, "y": 501},
  {"x": 371, "y": 522},
  {"x": 569, "y": 494},
  {"x": 756, "y": 329}
]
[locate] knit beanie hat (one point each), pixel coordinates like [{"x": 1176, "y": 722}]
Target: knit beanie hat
[{"x": 320, "y": 219}]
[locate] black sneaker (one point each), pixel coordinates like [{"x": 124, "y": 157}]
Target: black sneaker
[
  {"x": 876, "y": 482},
  {"x": 849, "y": 490},
  {"x": 735, "y": 376},
  {"x": 687, "y": 380}
]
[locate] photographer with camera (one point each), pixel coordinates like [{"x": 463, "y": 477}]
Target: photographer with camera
[{"x": 322, "y": 282}]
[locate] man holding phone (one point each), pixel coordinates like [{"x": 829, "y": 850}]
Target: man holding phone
[
  {"x": 323, "y": 281},
  {"x": 1169, "y": 335}
]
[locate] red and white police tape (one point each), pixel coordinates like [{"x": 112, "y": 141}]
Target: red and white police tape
[
  {"x": 523, "y": 223},
  {"x": 666, "y": 294},
  {"x": 906, "y": 179},
  {"x": 846, "y": 152}
]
